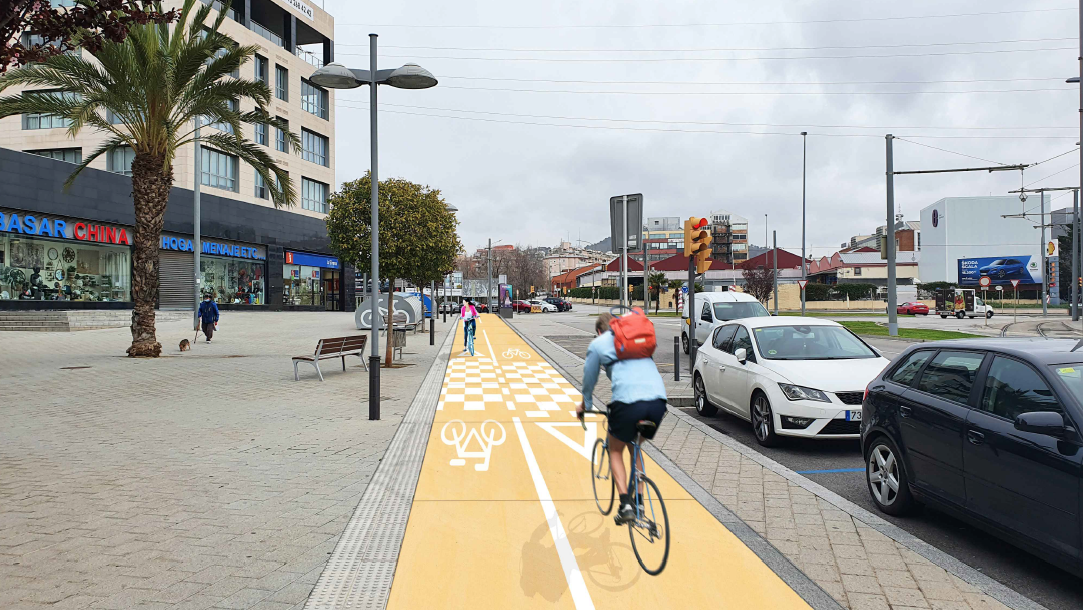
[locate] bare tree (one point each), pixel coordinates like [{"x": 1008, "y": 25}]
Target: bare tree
[{"x": 759, "y": 282}]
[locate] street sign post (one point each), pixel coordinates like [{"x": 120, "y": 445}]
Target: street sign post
[
  {"x": 626, "y": 231},
  {"x": 1015, "y": 288}
]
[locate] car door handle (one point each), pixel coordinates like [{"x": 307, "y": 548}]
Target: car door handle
[
  {"x": 975, "y": 437},
  {"x": 905, "y": 411},
  {"x": 721, "y": 367}
]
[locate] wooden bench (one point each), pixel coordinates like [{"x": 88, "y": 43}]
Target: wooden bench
[{"x": 336, "y": 347}]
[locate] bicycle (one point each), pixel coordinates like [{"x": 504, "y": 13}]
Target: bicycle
[
  {"x": 470, "y": 339},
  {"x": 645, "y": 524}
]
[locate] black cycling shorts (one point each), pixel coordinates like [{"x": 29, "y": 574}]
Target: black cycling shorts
[{"x": 623, "y": 417}]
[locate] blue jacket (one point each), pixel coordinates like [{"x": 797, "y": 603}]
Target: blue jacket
[
  {"x": 631, "y": 380},
  {"x": 208, "y": 312}
]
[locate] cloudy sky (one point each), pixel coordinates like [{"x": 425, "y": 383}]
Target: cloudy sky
[{"x": 699, "y": 105}]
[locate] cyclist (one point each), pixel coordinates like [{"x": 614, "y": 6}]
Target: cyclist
[
  {"x": 638, "y": 393},
  {"x": 469, "y": 316}
]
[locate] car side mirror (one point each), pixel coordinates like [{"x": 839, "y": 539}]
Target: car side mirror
[
  {"x": 741, "y": 354},
  {"x": 1049, "y": 423}
]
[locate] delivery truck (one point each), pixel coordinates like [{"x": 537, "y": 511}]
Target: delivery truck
[{"x": 961, "y": 303}]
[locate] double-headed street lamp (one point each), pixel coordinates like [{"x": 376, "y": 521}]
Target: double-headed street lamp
[{"x": 409, "y": 76}]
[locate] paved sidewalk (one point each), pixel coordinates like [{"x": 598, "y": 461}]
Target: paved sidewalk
[
  {"x": 208, "y": 478},
  {"x": 862, "y": 561}
]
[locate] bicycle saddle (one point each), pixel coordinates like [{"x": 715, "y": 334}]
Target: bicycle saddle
[{"x": 647, "y": 428}]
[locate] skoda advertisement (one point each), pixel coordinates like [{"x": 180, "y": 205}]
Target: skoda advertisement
[{"x": 1001, "y": 270}]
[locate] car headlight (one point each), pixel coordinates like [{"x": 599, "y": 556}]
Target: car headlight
[{"x": 798, "y": 392}]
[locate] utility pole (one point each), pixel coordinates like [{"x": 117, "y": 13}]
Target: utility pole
[
  {"x": 1045, "y": 257},
  {"x": 889, "y": 235},
  {"x": 692, "y": 314},
  {"x": 774, "y": 257},
  {"x": 804, "y": 268},
  {"x": 1075, "y": 255},
  {"x": 489, "y": 273},
  {"x": 197, "y": 245}
]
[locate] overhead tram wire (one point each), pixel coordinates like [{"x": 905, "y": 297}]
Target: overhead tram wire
[
  {"x": 581, "y": 92},
  {"x": 725, "y": 123},
  {"x": 950, "y": 151},
  {"x": 672, "y": 130},
  {"x": 716, "y": 49},
  {"x": 723, "y": 24},
  {"x": 685, "y": 59},
  {"x": 729, "y": 83}
]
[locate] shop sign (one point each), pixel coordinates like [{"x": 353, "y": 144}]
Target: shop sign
[
  {"x": 46, "y": 226},
  {"x": 181, "y": 244},
  {"x": 311, "y": 260}
]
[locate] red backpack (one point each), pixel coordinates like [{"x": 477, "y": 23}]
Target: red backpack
[{"x": 633, "y": 335}]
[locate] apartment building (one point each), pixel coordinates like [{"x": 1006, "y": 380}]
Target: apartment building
[
  {"x": 566, "y": 257},
  {"x": 729, "y": 237},
  {"x": 663, "y": 237},
  {"x": 285, "y": 262}
]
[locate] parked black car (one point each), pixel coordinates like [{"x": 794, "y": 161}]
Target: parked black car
[
  {"x": 987, "y": 430},
  {"x": 559, "y": 303}
]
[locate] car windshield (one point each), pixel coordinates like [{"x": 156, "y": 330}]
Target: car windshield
[
  {"x": 735, "y": 311},
  {"x": 1071, "y": 375},
  {"x": 800, "y": 342},
  {"x": 998, "y": 262}
]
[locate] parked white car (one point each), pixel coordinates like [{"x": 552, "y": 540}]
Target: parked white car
[
  {"x": 787, "y": 376},
  {"x": 546, "y": 307},
  {"x": 717, "y": 307}
]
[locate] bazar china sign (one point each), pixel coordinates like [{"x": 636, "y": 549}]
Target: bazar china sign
[{"x": 45, "y": 226}]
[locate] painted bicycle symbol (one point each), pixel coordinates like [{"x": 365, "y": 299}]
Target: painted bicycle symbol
[
  {"x": 515, "y": 352},
  {"x": 484, "y": 438}
]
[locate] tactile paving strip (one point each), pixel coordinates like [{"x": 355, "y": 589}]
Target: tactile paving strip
[{"x": 361, "y": 568}]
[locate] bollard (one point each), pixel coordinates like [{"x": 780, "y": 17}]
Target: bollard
[
  {"x": 676, "y": 358},
  {"x": 432, "y": 330}
]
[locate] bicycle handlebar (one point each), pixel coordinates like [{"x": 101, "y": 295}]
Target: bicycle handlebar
[{"x": 582, "y": 419}]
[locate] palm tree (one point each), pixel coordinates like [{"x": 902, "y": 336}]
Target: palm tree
[
  {"x": 156, "y": 84},
  {"x": 656, "y": 281}
]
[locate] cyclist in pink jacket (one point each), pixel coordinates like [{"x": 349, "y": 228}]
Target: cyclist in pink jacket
[{"x": 469, "y": 316}]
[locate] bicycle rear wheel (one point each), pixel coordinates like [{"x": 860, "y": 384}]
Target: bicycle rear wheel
[
  {"x": 601, "y": 477},
  {"x": 650, "y": 531}
]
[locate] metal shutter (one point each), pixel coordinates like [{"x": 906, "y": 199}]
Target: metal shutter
[{"x": 176, "y": 280}]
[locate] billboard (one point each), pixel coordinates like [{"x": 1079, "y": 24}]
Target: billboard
[{"x": 1000, "y": 269}]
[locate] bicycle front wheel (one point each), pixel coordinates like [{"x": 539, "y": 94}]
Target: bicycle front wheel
[
  {"x": 601, "y": 477},
  {"x": 650, "y": 531}
]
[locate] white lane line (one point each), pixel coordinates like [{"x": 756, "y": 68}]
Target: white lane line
[
  {"x": 491, "y": 352},
  {"x": 576, "y": 586}
]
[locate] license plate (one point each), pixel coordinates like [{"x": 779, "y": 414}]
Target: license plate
[{"x": 853, "y": 416}]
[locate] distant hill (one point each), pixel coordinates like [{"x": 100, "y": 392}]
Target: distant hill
[{"x": 602, "y": 246}]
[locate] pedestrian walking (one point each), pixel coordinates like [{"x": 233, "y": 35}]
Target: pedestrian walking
[{"x": 208, "y": 316}]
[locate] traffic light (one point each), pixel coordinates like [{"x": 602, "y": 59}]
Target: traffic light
[{"x": 697, "y": 243}]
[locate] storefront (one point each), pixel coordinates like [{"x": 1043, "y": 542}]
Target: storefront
[
  {"x": 313, "y": 280},
  {"x": 53, "y": 258},
  {"x": 232, "y": 273}
]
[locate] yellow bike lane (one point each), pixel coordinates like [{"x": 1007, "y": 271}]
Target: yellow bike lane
[{"x": 504, "y": 514}]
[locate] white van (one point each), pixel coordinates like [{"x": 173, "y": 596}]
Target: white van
[{"x": 717, "y": 307}]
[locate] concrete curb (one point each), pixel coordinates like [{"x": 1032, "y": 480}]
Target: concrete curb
[
  {"x": 360, "y": 571},
  {"x": 797, "y": 580}
]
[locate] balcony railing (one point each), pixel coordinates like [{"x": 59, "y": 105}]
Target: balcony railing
[
  {"x": 309, "y": 57},
  {"x": 262, "y": 30}
]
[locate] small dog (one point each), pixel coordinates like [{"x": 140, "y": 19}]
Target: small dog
[{"x": 185, "y": 345}]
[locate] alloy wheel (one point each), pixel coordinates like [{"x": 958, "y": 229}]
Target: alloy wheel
[
  {"x": 883, "y": 472},
  {"x": 761, "y": 418}
]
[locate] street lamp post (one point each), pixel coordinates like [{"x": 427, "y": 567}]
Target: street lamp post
[
  {"x": 804, "y": 268},
  {"x": 409, "y": 76}
]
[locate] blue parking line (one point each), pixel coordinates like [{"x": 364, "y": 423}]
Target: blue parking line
[{"x": 830, "y": 471}]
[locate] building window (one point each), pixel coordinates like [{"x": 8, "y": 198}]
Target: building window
[
  {"x": 857, "y": 270},
  {"x": 266, "y": 32},
  {"x": 280, "y": 136},
  {"x": 219, "y": 170},
  {"x": 230, "y": 280},
  {"x": 120, "y": 160},
  {"x": 42, "y": 269},
  {"x": 313, "y": 99},
  {"x": 262, "y": 71},
  {"x": 71, "y": 155},
  {"x": 261, "y": 186},
  {"x": 261, "y": 133},
  {"x": 314, "y": 147},
  {"x": 313, "y": 196},
  {"x": 222, "y": 126},
  {"x": 46, "y": 121},
  {"x": 282, "y": 83}
]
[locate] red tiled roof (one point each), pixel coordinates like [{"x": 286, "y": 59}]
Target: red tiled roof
[
  {"x": 633, "y": 265},
  {"x": 679, "y": 262},
  {"x": 786, "y": 260}
]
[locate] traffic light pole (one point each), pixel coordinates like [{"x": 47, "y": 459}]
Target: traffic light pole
[
  {"x": 774, "y": 256},
  {"x": 692, "y": 345},
  {"x": 1075, "y": 256}
]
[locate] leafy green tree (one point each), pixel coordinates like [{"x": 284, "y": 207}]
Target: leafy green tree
[
  {"x": 156, "y": 82},
  {"x": 419, "y": 238}
]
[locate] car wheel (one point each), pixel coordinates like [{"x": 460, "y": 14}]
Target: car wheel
[
  {"x": 971, "y": 317},
  {"x": 960, "y": 315},
  {"x": 888, "y": 484},
  {"x": 763, "y": 421},
  {"x": 684, "y": 342},
  {"x": 944, "y": 315},
  {"x": 925, "y": 314},
  {"x": 703, "y": 406},
  {"x": 988, "y": 314}
]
